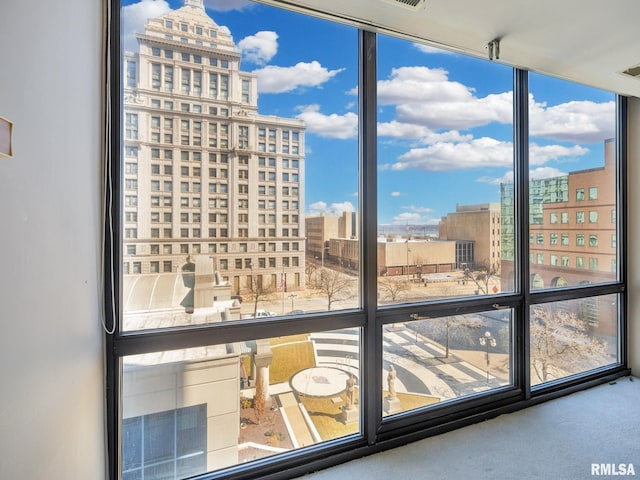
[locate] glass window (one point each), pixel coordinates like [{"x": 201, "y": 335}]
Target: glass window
[
  {"x": 178, "y": 441},
  {"x": 455, "y": 206},
  {"x": 431, "y": 338},
  {"x": 593, "y": 173},
  {"x": 445, "y": 288},
  {"x": 564, "y": 341}
]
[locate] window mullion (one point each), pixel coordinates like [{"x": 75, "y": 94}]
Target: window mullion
[
  {"x": 621, "y": 221},
  {"x": 521, "y": 213},
  {"x": 372, "y": 337}
]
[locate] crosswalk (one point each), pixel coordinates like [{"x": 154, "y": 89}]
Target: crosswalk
[{"x": 420, "y": 364}]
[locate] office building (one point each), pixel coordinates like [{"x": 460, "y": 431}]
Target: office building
[
  {"x": 320, "y": 229},
  {"x": 204, "y": 172},
  {"x": 476, "y": 230}
]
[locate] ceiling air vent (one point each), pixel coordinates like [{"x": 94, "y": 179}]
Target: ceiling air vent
[
  {"x": 410, "y": 4},
  {"x": 633, "y": 71}
]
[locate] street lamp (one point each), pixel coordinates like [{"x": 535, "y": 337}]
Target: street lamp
[
  {"x": 486, "y": 341},
  {"x": 292, "y": 297}
]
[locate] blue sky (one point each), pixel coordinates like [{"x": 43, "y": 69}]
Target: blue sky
[{"x": 444, "y": 120}]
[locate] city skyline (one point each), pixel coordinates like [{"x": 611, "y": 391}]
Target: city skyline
[{"x": 422, "y": 138}]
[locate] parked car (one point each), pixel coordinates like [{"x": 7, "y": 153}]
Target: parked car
[{"x": 265, "y": 313}]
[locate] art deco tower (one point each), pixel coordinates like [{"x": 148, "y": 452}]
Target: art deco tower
[{"x": 204, "y": 172}]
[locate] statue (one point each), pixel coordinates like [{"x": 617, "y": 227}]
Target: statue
[
  {"x": 391, "y": 382},
  {"x": 350, "y": 391},
  {"x": 349, "y": 412}
]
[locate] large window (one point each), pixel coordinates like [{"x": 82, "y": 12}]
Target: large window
[
  {"x": 443, "y": 175},
  {"x": 307, "y": 203},
  {"x": 353, "y": 237}
]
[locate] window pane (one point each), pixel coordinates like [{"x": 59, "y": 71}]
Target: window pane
[
  {"x": 572, "y": 175},
  {"x": 432, "y": 360},
  {"x": 573, "y": 337},
  {"x": 184, "y": 428},
  {"x": 307, "y": 119},
  {"x": 185, "y": 412},
  {"x": 445, "y": 148}
]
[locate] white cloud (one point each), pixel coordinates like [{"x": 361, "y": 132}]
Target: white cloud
[
  {"x": 576, "y": 121},
  {"x": 462, "y": 113},
  {"x": 395, "y": 194},
  {"x": 135, "y": 17},
  {"x": 317, "y": 208},
  {"x": 226, "y": 30},
  {"x": 545, "y": 172},
  {"x": 411, "y": 131},
  {"x": 407, "y": 217},
  {"x": 539, "y": 155},
  {"x": 226, "y": 5},
  {"x": 535, "y": 174},
  {"x": 478, "y": 153},
  {"x": 419, "y": 84},
  {"x": 481, "y": 152},
  {"x": 402, "y": 130},
  {"x": 425, "y": 96},
  {"x": 274, "y": 79},
  {"x": 259, "y": 48},
  {"x": 330, "y": 126},
  {"x": 413, "y": 208},
  {"x": 431, "y": 50},
  {"x": 322, "y": 208},
  {"x": 414, "y": 215},
  {"x": 506, "y": 178}
]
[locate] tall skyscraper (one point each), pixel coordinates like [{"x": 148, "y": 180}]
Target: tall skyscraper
[{"x": 204, "y": 172}]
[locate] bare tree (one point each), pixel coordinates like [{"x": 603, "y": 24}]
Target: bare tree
[
  {"x": 310, "y": 270},
  {"x": 334, "y": 285},
  {"x": 461, "y": 329},
  {"x": 257, "y": 292},
  {"x": 393, "y": 288},
  {"x": 562, "y": 345},
  {"x": 259, "y": 401},
  {"x": 481, "y": 275}
]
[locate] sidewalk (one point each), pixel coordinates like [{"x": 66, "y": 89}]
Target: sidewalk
[{"x": 294, "y": 419}]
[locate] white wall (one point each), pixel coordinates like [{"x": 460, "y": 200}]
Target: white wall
[
  {"x": 634, "y": 235},
  {"x": 51, "y": 368}
]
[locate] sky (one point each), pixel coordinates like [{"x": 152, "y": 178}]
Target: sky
[{"x": 444, "y": 119}]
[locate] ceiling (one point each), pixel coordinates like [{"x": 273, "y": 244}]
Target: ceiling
[{"x": 586, "y": 41}]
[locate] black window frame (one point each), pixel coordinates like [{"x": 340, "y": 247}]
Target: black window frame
[{"x": 377, "y": 433}]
